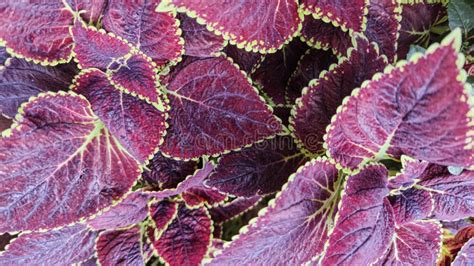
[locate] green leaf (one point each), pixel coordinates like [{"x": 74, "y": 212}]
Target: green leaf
[{"x": 461, "y": 14}]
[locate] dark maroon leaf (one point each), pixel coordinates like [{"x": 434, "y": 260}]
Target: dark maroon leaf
[
  {"x": 186, "y": 240},
  {"x": 421, "y": 110},
  {"x": 197, "y": 196},
  {"x": 294, "y": 226},
  {"x": 465, "y": 256},
  {"x": 365, "y": 224},
  {"x": 454, "y": 244},
  {"x": 162, "y": 214},
  {"x": 166, "y": 173},
  {"x": 223, "y": 213},
  {"x": 19, "y": 80},
  {"x": 59, "y": 164},
  {"x": 5, "y": 239},
  {"x": 260, "y": 169},
  {"x": 241, "y": 22},
  {"x": 247, "y": 61},
  {"x": 198, "y": 41},
  {"x": 131, "y": 210},
  {"x": 138, "y": 126},
  {"x": 155, "y": 33},
  {"x": 120, "y": 247},
  {"x": 213, "y": 91},
  {"x": 36, "y": 30},
  {"x": 319, "y": 101},
  {"x": 90, "y": 10},
  {"x": 63, "y": 246}
]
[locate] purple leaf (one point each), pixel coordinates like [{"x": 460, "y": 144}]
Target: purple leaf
[
  {"x": 411, "y": 204},
  {"x": 198, "y": 41},
  {"x": 223, "y": 213},
  {"x": 465, "y": 256},
  {"x": 59, "y": 164},
  {"x": 120, "y": 247},
  {"x": 247, "y": 61},
  {"x": 91, "y": 10}
]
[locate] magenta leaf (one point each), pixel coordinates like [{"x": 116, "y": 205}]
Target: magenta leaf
[
  {"x": 412, "y": 170},
  {"x": 247, "y": 61},
  {"x": 131, "y": 210},
  {"x": 19, "y": 80},
  {"x": 365, "y": 224},
  {"x": 415, "y": 243},
  {"x": 186, "y": 240},
  {"x": 319, "y": 101},
  {"x": 138, "y": 126},
  {"x": 162, "y": 213},
  {"x": 197, "y": 196},
  {"x": 37, "y": 30},
  {"x": 56, "y": 138},
  {"x": 214, "y": 91},
  {"x": 349, "y": 14},
  {"x": 260, "y": 169},
  {"x": 223, "y": 213},
  {"x": 397, "y": 124},
  {"x": 166, "y": 173},
  {"x": 155, "y": 33},
  {"x": 281, "y": 24},
  {"x": 321, "y": 35},
  {"x": 465, "y": 256},
  {"x": 411, "y": 204},
  {"x": 120, "y": 247},
  {"x": 90, "y": 10},
  {"x": 294, "y": 224},
  {"x": 198, "y": 41},
  {"x": 64, "y": 246}
]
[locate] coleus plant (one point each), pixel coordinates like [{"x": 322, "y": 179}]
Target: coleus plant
[{"x": 134, "y": 131}]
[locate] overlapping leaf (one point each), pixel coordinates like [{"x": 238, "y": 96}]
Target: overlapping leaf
[
  {"x": 38, "y": 30},
  {"x": 161, "y": 213},
  {"x": 198, "y": 41},
  {"x": 260, "y": 169},
  {"x": 59, "y": 164},
  {"x": 320, "y": 100},
  {"x": 220, "y": 214},
  {"x": 465, "y": 256},
  {"x": 63, "y": 246},
  {"x": 155, "y": 33},
  {"x": 120, "y": 247},
  {"x": 196, "y": 196},
  {"x": 427, "y": 117},
  {"x": 90, "y": 10},
  {"x": 247, "y": 61},
  {"x": 4, "y": 55},
  {"x": 240, "y": 22},
  {"x": 212, "y": 91},
  {"x": 295, "y": 223},
  {"x": 19, "y": 80}
]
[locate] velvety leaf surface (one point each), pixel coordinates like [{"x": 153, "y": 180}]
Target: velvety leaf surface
[
  {"x": 350, "y": 14},
  {"x": 120, "y": 247},
  {"x": 138, "y": 125},
  {"x": 162, "y": 213},
  {"x": 295, "y": 224},
  {"x": 59, "y": 164},
  {"x": 212, "y": 91},
  {"x": 424, "y": 117},
  {"x": 37, "y": 30},
  {"x": 19, "y": 80},
  {"x": 187, "y": 238},
  {"x": 365, "y": 223},
  {"x": 96, "y": 48},
  {"x": 155, "y": 33},
  {"x": 91, "y": 10},
  {"x": 198, "y": 41},
  {"x": 274, "y": 72},
  {"x": 131, "y": 210},
  {"x": 240, "y": 22},
  {"x": 322, "y": 35},
  {"x": 411, "y": 205},
  {"x": 415, "y": 243},
  {"x": 465, "y": 256},
  {"x": 196, "y": 196},
  {"x": 412, "y": 170},
  {"x": 260, "y": 169},
  {"x": 220, "y": 214},
  {"x": 165, "y": 173},
  {"x": 63, "y": 246},
  {"x": 319, "y": 101},
  {"x": 310, "y": 65},
  {"x": 416, "y": 24},
  {"x": 247, "y": 61}
]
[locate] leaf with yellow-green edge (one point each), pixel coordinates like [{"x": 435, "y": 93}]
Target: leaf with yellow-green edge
[
  {"x": 247, "y": 61},
  {"x": 120, "y": 247},
  {"x": 37, "y": 30},
  {"x": 90, "y": 10},
  {"x": 295, "y": 223},
  {"x": 59, "y": 164},
  {"x": 465, "y": 257},
  {"x": 421, "y": 108}
]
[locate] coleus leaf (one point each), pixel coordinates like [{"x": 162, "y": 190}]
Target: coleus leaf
[
  {"x": 5, "y": 123},
  {"x": 56, "y": 138},
  {"x": 415, "y": 243},
  {"x": 37, "y": 31},
  {"x": 465, "y": 256},
  {"x": 187, "y": 238},
  {"x": 64, "y": 246},
  {"x": 319, "y": 101},
  {"x": 213, "y": 91},
  {"x": 295, "y": 223},
  {"x": 202, "y": 194},
  {"x": 412, "y": 170},
  {"x": 155, "y": 33},
  {"x": 454, "y": 245},
  {"x": 4, "y": 55},
  {"x": 260, "y": 169},
  {"x": 120, "y": 247},
  {"x": 131, "y": 210},
  {"x": 223, "y": 213},
  {"x": 198, "y": 41},
  {"x": 247, "y": 61},
  {"x": 166, "y": 173},
  {"x": 138, "y": 126},
  {"x": 161, "y": 213},
  {"x": 20, "y": 80},
  {"x": 396, "y": 125},
  {"x": 283, "y": 21},
  {"x": 364, "y": 224},
  {"x": 411, "y": 205},
  {"x": 90, "y": 11},
  {"x": 349, "y": 15}
]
